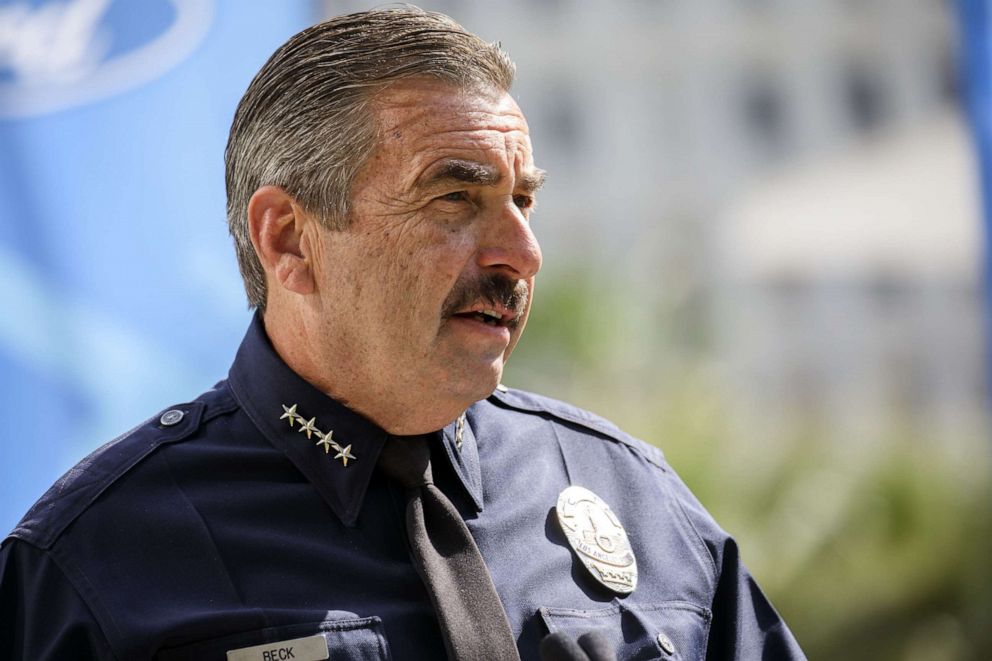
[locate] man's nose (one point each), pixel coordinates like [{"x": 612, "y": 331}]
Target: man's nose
[{"x": 509, "y": 244}]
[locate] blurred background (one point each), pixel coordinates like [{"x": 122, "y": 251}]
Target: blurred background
[{"x": 764, "y": 253}]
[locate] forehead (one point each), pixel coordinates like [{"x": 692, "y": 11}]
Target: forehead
[{"x": 423, "y": 122}]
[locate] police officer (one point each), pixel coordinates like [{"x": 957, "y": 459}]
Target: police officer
[{"x": 361, "y": 486}]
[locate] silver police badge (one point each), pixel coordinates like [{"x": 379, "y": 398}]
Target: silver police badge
[{"x": 598, "y": 539}]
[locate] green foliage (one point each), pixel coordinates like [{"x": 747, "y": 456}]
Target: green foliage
[{"x": 875, "y": 549}]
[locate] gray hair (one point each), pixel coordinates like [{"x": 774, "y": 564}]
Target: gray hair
[{"x": 306, "y": 122}]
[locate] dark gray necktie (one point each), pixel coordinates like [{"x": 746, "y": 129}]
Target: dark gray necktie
[{"x": 468, "y": 609}]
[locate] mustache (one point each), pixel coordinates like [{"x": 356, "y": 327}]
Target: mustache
[{"x": 493, "y": 289}]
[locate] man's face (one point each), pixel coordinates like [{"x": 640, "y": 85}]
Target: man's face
[{"x": 427, "y": 291}]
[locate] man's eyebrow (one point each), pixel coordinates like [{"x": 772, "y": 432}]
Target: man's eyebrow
[
  {"x": 531, "y": 182},
  {"x": 466, "y": 172},
  {"x": 479, "y": 174}
]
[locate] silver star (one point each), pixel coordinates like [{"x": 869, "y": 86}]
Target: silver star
[
  {"x": 344, "y": 454},
  {"x": 308, "y": 426},
  {"x": 289, "y": 412},
  {"x": 325, "y": 440}
]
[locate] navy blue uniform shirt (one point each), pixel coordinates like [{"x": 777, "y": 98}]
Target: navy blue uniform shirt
[{"x": 218, "y": 526}]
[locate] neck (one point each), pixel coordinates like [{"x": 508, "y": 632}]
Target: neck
[{"x": 319, "y": 358}]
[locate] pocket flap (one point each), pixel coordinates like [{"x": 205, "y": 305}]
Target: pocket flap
[{"x": 672, "y": 630}]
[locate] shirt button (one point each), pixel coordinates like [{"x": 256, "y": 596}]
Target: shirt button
[
  {"x": 171, "y": 417},
  {"x": 666, "y": 644}
]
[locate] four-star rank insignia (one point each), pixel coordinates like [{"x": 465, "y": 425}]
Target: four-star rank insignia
[
  {"x": 323, "y": 440},
  {"x": 598, "y": 539}
]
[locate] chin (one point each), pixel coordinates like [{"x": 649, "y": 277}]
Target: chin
[
  {"x": 483, "y": 387},
  {"x": 479, "y": 384}
]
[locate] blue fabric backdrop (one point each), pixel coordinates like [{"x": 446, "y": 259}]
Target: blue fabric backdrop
[
  {"x": 976, "y": 57},
  {"x": 120, "y": 292}
]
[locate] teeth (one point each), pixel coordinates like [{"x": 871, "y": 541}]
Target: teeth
[{"x": 492, "y": 314}]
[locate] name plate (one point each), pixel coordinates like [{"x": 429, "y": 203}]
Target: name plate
[{"x": 311, "y": 648}]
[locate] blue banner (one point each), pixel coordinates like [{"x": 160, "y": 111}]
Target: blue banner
[
  {"x": 976, "y": 56},
  {"x": 119, "y": 288}
]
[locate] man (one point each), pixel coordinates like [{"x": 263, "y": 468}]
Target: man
[{"x": 380, "y": 179}]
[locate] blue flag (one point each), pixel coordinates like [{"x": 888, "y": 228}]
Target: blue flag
[
  {"x": 119, "y": 288},
  {"x": 976, "y": 29}
]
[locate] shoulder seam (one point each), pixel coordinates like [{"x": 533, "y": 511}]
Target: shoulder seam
[
  {"x": 606, "y": 428},
  {"x": 89, "y": 606},
  {"x": 45, "y": 538},
  {"x": 703, "y": 548}
]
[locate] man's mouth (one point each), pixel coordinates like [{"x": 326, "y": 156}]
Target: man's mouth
[
  {"x": 493, "y": 300},
  {"x": 491, "y": 316}
]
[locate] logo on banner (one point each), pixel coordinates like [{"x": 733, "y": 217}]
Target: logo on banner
[{"x": 57, "y": 54}]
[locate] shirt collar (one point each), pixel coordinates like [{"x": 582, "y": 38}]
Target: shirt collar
[{"x": 268, "y": 390}]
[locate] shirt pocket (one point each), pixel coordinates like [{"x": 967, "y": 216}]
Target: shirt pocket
[
  {"x": 361, "y": 639},
  {"x": 673, "y": 630}
]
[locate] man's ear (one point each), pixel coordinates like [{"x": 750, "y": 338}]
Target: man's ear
[{"x": 276, "y": 224}]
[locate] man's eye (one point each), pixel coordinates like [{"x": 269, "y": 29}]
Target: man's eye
[
  {"x": 523, "y": 201},
  {"x": 457, "y": 196}
]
